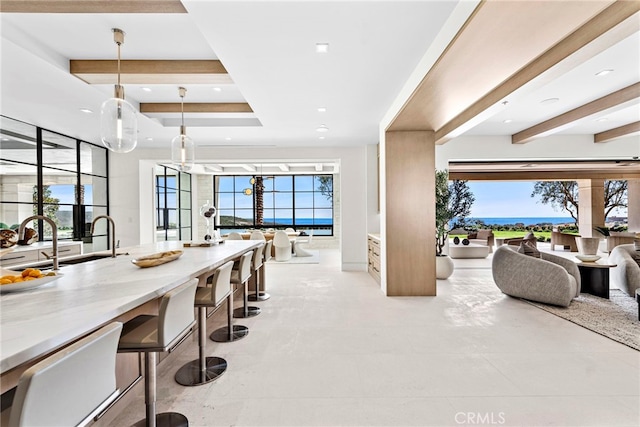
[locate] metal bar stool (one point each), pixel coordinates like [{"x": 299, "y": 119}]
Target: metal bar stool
[
  {"x": 206, "y": 369},
  {"x": 149, "y": 334},
  {"x": 260, "y": 295},
  {"x": 241, "y": 276},
  {"x": 71, "y": 386},
  {"x": 230, "y": 332}
]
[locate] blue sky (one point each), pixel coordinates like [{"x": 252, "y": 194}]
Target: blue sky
[{"x": 511, "y": 199}]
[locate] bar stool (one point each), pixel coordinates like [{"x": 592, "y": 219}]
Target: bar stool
[
  {"x": 206, "y": 369},
  {"x": 149, "y": 334},
  {"x": 230, "y": 332},
  {"x": 259, "y": 295},
  {"x": 71, "y": 386},
  {"x": 241, "y": 276}
]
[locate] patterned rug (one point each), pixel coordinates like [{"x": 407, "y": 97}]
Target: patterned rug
[{"x": 615, "y": 318}]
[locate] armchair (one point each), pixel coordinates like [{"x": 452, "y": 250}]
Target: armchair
[
  {"x": 568, "y": 241},
  {"x": 483, "y": 236},
  {"x": 549, "y": 279},
  {"x": 529, "y": 238}
]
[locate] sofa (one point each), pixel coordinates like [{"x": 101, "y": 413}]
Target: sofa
[
  {"x": 549, "y": 279},
  {"x": 626, "y": 273}
]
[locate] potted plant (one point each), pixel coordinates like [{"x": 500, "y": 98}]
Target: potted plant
[{"x": 453, "y": 200}]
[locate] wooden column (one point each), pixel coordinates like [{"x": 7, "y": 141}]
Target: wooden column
[
  {"x": 590, "y": 205},
  {"x": 410, "y": 213},
  {"x": 633, "y": 210}
]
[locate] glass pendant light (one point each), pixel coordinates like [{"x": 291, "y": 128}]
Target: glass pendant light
[
  {"x": 118, "y": 121},
  {"x": 182, "y": 146}
]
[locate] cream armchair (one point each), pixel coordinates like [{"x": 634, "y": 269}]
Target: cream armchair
[{"x": 549, "y": 279}]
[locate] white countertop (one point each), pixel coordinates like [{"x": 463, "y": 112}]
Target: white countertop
[{"x": 37, "y": 321}]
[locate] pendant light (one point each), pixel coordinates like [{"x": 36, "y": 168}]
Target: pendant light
[
  {"x": 182, "y": 146},
  {"x": 118, "y": 121}
]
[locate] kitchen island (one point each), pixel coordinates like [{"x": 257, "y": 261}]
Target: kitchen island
[{"x": 37, "y": 322}]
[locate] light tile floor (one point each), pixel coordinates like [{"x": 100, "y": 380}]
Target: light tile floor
[{"x": 329, "y": 349}]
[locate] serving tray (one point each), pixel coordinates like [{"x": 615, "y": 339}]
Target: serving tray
[
  {"x": 156, "y": 259},
  {"x": 29, "y": 284}
]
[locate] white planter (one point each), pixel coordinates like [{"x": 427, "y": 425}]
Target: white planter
[
  {"x": 444, "y": 267},
  {"x": 587, "y": 245}
]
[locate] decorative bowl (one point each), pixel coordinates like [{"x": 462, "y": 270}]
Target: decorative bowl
[{"x": 588, "y": 258}]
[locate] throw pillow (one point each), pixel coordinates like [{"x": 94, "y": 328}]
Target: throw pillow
[
  {"x": 529, "y": 250},
  {"x": 456, "y": 240},
  {"x": 530, "y": 236}
]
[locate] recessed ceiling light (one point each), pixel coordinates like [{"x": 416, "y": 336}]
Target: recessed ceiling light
[
  {"x": 149, "y": 138},
  {"x": 322, "y": 109},
  {"x": 5, "y": 139},
  {"x": 549, "y": 101},
  {"x": 603, "y": 72},
  {"x": 507, "y": 121},
  {"x": 322, "y": 128},
  {"x": 228, "y": 138},
  {"x": 322, "y": 47},
  {"x": 602, "y": 119},
  {"x": 86, "y": 110},
  {"x": 217, "y": 89},
  {"x": 146, "y": 89}
]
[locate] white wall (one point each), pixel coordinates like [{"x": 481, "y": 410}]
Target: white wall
[{"x": 131, "y": 191}]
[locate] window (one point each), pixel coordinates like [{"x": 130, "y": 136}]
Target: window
[
  {"x": 304, "y": 202},
  {"x": 173, "y": 204},
  {"x": 63, "y": 178}
]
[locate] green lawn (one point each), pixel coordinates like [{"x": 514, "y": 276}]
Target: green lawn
[{"x": 507, "y": 234}]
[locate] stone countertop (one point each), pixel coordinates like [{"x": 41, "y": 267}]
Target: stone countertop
[{"x": 38, "y": 321}]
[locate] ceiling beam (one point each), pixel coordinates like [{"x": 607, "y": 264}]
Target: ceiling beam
[
  {"x": 154, "y": 71},
  {"x": 92, "y": 6},
  {"x": 195, "y": 107},
  {"x": 579, "y": 40},
  {"x": 556, "y": 123},
  {"x": 610, "y": 134}
]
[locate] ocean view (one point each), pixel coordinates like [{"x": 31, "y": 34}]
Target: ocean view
[{"x": 523, "y": 220}]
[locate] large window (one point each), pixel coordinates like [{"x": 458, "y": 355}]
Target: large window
[
  {"x": 304, "y": 202},
  {"x": 65, "y": 179},
  {"x": 173, "y": 204}
]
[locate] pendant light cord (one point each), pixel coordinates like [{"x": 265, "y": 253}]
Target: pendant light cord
[{"x": 118, "y": 63}]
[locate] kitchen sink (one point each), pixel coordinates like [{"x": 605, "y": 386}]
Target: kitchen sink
[{"x": 78, "y": 259}]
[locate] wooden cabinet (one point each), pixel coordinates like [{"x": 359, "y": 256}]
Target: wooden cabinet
[{"x": 374, "y": 256}]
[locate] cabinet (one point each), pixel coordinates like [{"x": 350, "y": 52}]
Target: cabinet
[
  {"x": 373, "y": 244},
  {"x": 40, "y": 251}
]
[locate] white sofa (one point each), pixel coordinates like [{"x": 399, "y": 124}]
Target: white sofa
[{"x": 626, "y": 274}]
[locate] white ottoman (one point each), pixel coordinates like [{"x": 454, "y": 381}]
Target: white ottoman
[{"x": 472, "y": 250}]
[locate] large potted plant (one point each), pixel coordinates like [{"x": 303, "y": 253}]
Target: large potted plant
[{"x": 453, "y": 200}]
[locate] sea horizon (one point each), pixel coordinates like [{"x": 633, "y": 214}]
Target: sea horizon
[{"x": 525, "y": 220}]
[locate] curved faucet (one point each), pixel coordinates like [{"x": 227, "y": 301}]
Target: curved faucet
[
  {"x": 113, "y": 231},
  {"x": 54, "y": 228}
]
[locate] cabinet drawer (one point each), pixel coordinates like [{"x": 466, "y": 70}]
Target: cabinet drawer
[{"x": 19, "y": 257}]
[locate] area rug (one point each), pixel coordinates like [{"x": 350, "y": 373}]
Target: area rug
[
  {"x": 615, "y": 318},
  {"x": 313, "y": 259}
]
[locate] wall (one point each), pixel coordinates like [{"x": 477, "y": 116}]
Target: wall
[{"x": 132, "y": 195}]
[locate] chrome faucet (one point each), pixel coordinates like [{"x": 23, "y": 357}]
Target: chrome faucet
[
  {"x": 54, "y": 229},
  {"x": 113, "y": 232}
]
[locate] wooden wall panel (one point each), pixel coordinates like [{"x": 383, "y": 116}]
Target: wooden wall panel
[{"x": 410, "y": 213}]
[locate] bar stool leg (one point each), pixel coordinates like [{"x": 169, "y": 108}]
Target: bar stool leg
[
  {"x": 204, "y": 369},
  {"x": 230, "y": 332},
  {"x": 259, "y": 295},
  {"x": 246, "y": 311},
  {"x": 165, "y": 419}
]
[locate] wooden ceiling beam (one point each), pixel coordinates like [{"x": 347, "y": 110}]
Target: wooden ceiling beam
[
  {"x": 618, "y": 132},
  {"x": 556, "y": 123},
  {"x": 581, "y": 40},
  {"x": 153, "y": 71},
  {"x": 196, "y": 107},
  {"x": 92, "y": 6}
]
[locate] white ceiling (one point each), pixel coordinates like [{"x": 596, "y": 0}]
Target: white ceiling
[{"x": 268, "y": 47}]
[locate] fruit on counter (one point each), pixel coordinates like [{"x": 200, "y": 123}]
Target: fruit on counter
[{"x": 25, "y": 276}]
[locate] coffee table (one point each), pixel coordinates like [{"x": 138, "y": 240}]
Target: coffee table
[
  {"x": 472, "y": 250},
  {"x": 595, "y": 278}
]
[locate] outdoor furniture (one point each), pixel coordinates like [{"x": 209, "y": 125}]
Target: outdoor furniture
[
  {"x": 619, "y": 238},
  {"x": 529, "y": 238},
  {"x": 566, "y": 240},
  {"x": 549, "y": 279},
  {"x": 483, "y": 236},
  {"x": 472, "y": 250}
]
